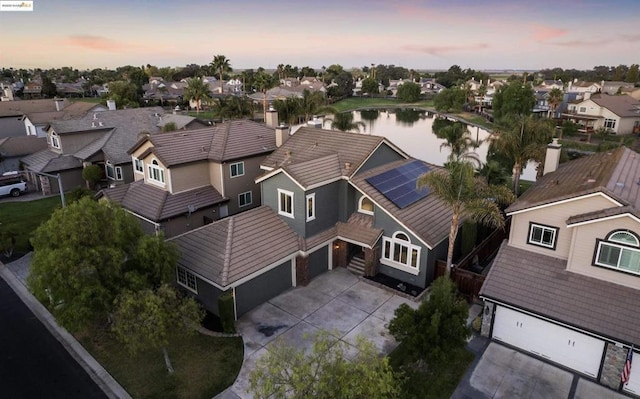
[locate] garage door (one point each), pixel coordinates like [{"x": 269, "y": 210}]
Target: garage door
[
  {"x": 633, "y": 385},
  {"x": 262, "y": 288},
  {"x": 567, "y": 347}
]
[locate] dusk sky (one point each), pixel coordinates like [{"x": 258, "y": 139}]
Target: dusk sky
[{"x": 419, "y": 34}]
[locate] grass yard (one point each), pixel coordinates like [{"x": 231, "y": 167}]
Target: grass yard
[
  {"x": 436, "y": 381},
  {"x": 204, "y": 366},
  {"x": 22, "y": 218},
  {"x": 353, "y": 103}
]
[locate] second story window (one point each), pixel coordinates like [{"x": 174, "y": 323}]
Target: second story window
[
  {"x": 621, "y": 250},
  {"x": 113, "y": 172},
  {"x": 311, "y": 207},
  {"x": 156, "y": 173},
  {"x": 55, "y": 141},
  {"x": 236, "y": 169},
  {"x": 138, "y": 165},
  {"x": 244, "y": 199},
  {"x": 542, "y": 236},
  {"x": 365, "y": 205},
  {"x": 285, "y": 203}
]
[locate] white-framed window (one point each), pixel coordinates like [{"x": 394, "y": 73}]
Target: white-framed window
[
  {"x": 621, "y": 251},
  {"x": 55, "y": 141},
  {"x": 311, "y": 207},
  {"x": 583, "y": 110},
  {"x": 610, "y": 123},
  {"x": 398, "y": 252},
  {"x": 542, "y": 236},
  {"x": 365, "y": 205},
  {"x": 236, "y": 169},
  {"x": 118, "y": 173},
  {"x": 156, "y": 173},
  {"x": 138, "y": 165},
  {"x": 285, "y": 203},
  {"x": 113, "y": 172},
  {"x": 187, "y": 279},
  {"x": 245, "y": 198}
]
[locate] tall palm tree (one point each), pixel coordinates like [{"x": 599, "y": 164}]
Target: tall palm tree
[
  {"x": 221, "y": 64},
  {"x": 234, "y": 107},
  {"x": 343, "y": 121},
  {"x": 555, "y": 99},
  {"x": 198, "y": 91},
  {"x": 522, "y": 139},
  {"x": 280, "y": 71},
  {"x": 459, "y": 141},
  {"x": 263, "y": 82},
  {"x": 469, "y": 196},
  {"x": 313, "y": 103}
]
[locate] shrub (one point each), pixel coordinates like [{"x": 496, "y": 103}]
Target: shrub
[{"x": 227, "y": 315}]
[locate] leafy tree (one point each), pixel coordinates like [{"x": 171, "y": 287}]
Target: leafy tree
[
  {"x": 49, "y": 88},
  {"x": 234, "y": 107},
  {"x": 632, "y": 74},
  {"x": 307, "y": 71},
  {"x": 92, "y": 175},
  {"x": 124, "y": 93},
  {"x": 289, "y": 109},
  {"x": 197, "y": 91},
  {"x": 370, "y": 86},
  {"x": 325, "y": 373},
  {"x": 457, "y": 139},
  {"x": 449, "y": 100},
  {"x": 313, "y": 103},
  {"x": 513, "y": 99},
  {"x": 409, "y": 92},
  {"x": 437, "y": 327},
  {"x": 555, "y": 99},
  {"x": 344, "y": 82},
  {"x": 467, "y": 195},
  {"x": 263, "y": 82},
  {"x": 221, "y": 64},
  {"x": 169, "y": 127},
  {"x": 343, "y": 121}
]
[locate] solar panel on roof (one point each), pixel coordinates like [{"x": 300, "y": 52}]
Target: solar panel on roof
[{"x": 399, "y": 184}]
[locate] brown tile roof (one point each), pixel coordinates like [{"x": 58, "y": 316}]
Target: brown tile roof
[
  {"x": 21, "y": 145},
  {"x": 360, "y": 228},
  {"x": 603, "y": 213},
  {"x": 542, "y": 285},
  {"x": 49, "y": 161},
  {"x": 22, "y": 107},
  {"x": 72, "y": 111},
  {"x": 315, "y": 240},
  {"x": 316, "y": 170},
  {"x": 623, "y": 106},
  {"x": 615, "y": 173},
  {"x": 157, "y": 204},
  {"x": 233, "y": 248},
  {"x": 429, "y": 218}
]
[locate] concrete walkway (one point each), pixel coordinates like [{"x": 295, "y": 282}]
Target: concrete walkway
[{"x": 337, "y": 301}]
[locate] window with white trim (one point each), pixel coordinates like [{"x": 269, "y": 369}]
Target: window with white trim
[
  {"x": 311, "y": 207},
  {"x": 55, "y": 141},
  {"x": 398, "y": 252},
  {"x": 542, "y": 236},
  {"x": 285, "y": 203},
  {"x": 138, "y": 165},
  {"x": 113, "y": 172},
  {"x": 610, "y": 123},
  {"x": 156, "y": 173},
  {"x": 621, "y": 251},
  {"x": 187, "y": 279},
  {"x": 244, "y": 199},
  {"x": 236, "y": 169},
  {"x": 365, "y": 205}
]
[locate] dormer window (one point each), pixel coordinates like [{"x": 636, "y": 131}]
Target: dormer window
[
  {"x": 55, "y": 142},
  {"x": 138, "y": 165},
  {"x": 365, "y": 205},
  {"x": 621, "y": 251},
  {"x": 156, "y": 173}
]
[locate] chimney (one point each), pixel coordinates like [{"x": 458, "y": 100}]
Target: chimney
[
  {"x": 282, "y": 133},
  {"x": 552, "y": 158},
  {"x": 111, "y": 105},
  {"x": 59, "y": 104},
  {"x": 271, "y": 118}
]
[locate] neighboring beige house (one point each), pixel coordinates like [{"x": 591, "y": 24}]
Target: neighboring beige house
[
  {"x": 195, "y": 177},
  {"x": 552, "y": 84},
  {"x": 618, "y": 114},
  {"x": 581, "y": 86},
  {"x": 566, "y": 284}
]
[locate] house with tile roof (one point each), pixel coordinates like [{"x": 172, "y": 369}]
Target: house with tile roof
[
  {"x": 185, "y": 179},
  {"x": 12, "y": 149},
  {"x": 329, "y": 199},
  {"x": 618, "y": 114},
  {"x": 581, "y": 86},
  {"x": 565, "y": 286}
]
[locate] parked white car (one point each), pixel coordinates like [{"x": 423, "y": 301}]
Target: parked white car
[{"x": 12, "y": 185}]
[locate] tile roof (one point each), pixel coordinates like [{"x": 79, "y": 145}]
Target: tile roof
[
  {"x": 22, "y": 107},
  {"x": 72, "y": 111},
  {"x": 623, "y": 106},
  {"x": 360, "y": 228},
  {"x": 181, "y": 121},
  {"x": 542, "y": 285},
  {"x": 603, "y": 213},
  {"x": 614, "y": 172},
  {"x": 157, "y": 204},
  {"x": 429, "y": 217},
  {"x": 50, "y": 161},
  {"x": 233, "y": 248},
  {"x": 22, "y": 145}
]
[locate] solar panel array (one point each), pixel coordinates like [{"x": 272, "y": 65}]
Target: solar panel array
[{"x": 399, "y": 184}]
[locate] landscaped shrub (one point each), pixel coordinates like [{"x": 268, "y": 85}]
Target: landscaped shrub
[
  {"x": 92, "y": 174},
  {"x": 227, "y": 315}
]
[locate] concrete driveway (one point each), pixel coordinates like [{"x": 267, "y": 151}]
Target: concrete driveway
[{"x": 337, "y": 301}]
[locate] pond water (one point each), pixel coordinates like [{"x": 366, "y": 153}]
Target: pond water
[{"x": 411, "y": 130}]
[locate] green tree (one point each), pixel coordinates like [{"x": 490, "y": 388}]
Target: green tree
[
  {"x": 263, "y": 82},
  {"x": 124, "y": 93},
  {"x": 344, "y": 85},
  {"x": 49, "y": 89},
  {"x": 92, "y": 175},
  {"x": 234, "y": 107},
  {"x": 468, "y": 196},
  {"x": 437, "y": 327},
  {"x": 197, "y": 91},
  {"x": 221, "y": 64},
  {"x": 370, "y": 86},
  {"x": 343, "y": 121},
  {"x": 325, "y": 373},
  {"x": 289, "y": 109},
  {"x": 449, "y": 100},
  {"x": 512, "y": 100},
  {"x": 457, "y": 139},
  {"x": 169, "y": 127},
  {"x": 555, "y": 98},
  {"x": 313, "y": 103},
  {"x": 632, "y": 74},
  {"x": 409, "y": 92}
]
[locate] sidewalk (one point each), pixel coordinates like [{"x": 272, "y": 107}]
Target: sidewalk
[{"x": 15, "y": 275}]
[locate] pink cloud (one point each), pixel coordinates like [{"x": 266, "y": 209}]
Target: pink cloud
[
  {"x": 98, "y": 43},
  {"x": 543, "y": 33},
  {"x": 442, "y": 50}
]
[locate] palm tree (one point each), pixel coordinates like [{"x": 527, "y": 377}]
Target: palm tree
[
  {"x": 289, "y": 109},
  {"x": 313, "y": 103},
  {"x": 263, "y": 82},
  {"x": 343, "y": 121},
  {"x": 458, "y": 140},
  {"x": 234, "y": 107},
  {"x": 521, "y": 139},
  {"x": 280, "y": 71},
  {"x": 198, "y": 91},
  {"x": 469, "y": 196},
  {"x": 555, "y": 98},
  {"x": 221, "y": 64}
]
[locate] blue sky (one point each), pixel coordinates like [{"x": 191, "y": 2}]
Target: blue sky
[{"x": 419, "y": 34}]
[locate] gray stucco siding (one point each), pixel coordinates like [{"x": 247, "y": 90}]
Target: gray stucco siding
[
  {"x": 233, "y": 186},
  {"x": 270, "y": 198},
  {"x": 383, "y": 155},
  {"x": 318, "y": 262},
  {"x": 207, "y": 295},
  {"x": 262, "y": 288},
  {"x": 327, "y": 208}
]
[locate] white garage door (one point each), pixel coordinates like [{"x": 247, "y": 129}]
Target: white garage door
[
  {"x": 570, "y": 348},
  {"x": 633, "y": 385}
]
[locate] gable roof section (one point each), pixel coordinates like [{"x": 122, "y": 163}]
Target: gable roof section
[
  {"x": 72, "y": 111},
  {"x": 603, "y": 214},
  {"x": 50, "y": 161},
  {"x": 623, "y": 106},
  {"x": 613, "y": 173},
  {"x": 22, "y": 107},
  {"x": 22, "y": 145},
  {"x": 233, "y": 248},
  {"x": 541, "y": 284}
]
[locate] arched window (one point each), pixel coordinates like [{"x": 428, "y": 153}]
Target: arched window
[
  {"x": 156, "y": 173},
  {"x": 365, "y": 205},
  {"x": 621, "y": 251},
  {"x": 398, "y": 252}
]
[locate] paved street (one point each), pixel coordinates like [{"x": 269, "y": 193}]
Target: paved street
[{"x": 33, "y": 364}]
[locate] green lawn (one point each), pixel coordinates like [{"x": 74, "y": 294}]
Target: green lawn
[
  {"x": 433, "y": 381},
  {"x": 204, "y": 366},
  {"x": 353, "y": 103},
  {"x": 22, "y": 218}
]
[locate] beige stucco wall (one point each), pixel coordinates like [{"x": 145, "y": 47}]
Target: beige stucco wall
[
  {"x": 555, "y": 216},
  {"x": 137, "y": 175},
  {"x": 215, "y": 176},
  {"x": 189, "y": 176},
  {"x": 625, "y": 125},
  {"x": 585, "y": 245}
]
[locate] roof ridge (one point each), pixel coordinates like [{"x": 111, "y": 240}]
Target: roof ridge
[
  {"x": 227, "y": 253},
  {"x": 225, "y": 139}
]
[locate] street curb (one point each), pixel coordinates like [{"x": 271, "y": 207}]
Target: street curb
[{"x": 97, "y": 373}]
